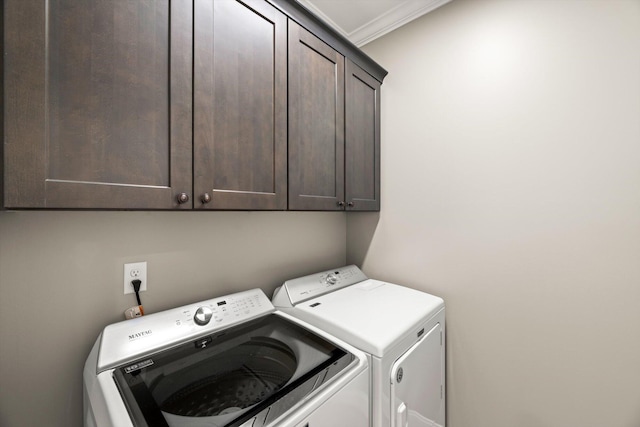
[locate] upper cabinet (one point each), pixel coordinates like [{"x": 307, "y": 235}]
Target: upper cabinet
[
  {"x": 334, "y": 128},
  {"x": 97, "y": 110},
  {"x": 362, "y": 140},
  {"x": 316, "y": 123},
  {"x": 240, "y": 105},
  {"x": 181, "y": 104}
]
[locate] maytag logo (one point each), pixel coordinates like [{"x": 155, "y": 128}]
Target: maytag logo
[{"x": 140, "y": 334}]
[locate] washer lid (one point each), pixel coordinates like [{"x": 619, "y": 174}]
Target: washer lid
[
  {"x": 249, "y": 374},
  {"x": 371, "y": 315}
]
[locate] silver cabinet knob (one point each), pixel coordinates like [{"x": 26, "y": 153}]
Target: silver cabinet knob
[
  {"x": 183, "y": 198},
  {"x": 206, "y": 198}
]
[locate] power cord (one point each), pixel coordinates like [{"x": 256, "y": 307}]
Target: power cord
[
  {"x": 137, "y": 311},
  {"x": 136, "y": 287}
]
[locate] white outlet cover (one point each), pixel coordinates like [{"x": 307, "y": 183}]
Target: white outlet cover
[{"x": 132, "y": 271}]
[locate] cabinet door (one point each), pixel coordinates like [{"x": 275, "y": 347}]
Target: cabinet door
[
  {"x": 362, "y": 144},
  {"x": 240, "y": 115},
  {"x": 97, "y": 103},
  {"x": 316, "y": 123}
]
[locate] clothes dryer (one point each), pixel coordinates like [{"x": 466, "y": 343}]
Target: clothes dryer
[{"x": 402, "y": 330}]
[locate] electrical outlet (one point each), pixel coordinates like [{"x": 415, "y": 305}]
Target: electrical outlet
[{"x": 133, "y": 271}]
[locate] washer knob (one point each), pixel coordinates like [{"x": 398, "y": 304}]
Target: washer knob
[
  {"x": 331, "y": 279},
  {"x": 202, "y": 316}
]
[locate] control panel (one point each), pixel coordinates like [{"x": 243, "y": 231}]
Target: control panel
[
  {"x": 295, "y": 291},
  {"x": 130, "y": 339},
  {"x": 222, "y": 311}
]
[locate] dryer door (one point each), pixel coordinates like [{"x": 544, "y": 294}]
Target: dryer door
[{"x": 417, "y": 384}]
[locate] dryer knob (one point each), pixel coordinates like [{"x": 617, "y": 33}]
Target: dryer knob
[
  {"x": 202, "y": 316},
  {"x": 331, "y": 279}
]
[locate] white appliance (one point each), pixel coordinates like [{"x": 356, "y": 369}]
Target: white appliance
[
  {"x": 401, "y": 330},
  {"x": 229, "y": 361}
]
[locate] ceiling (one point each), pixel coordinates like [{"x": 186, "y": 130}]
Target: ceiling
[{"x": 362, "y": 21}]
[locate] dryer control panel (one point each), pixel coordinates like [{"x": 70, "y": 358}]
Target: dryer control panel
[{"x": 295, "y": 291}]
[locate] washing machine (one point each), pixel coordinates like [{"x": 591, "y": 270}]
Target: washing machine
[
  {"x": 229, "y": 361},
  {"x": 401, "y": 330}
]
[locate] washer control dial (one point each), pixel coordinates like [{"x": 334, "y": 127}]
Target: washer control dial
[
  {"x": 203, "y": 315},
  {"x": 331, "y": 279}
]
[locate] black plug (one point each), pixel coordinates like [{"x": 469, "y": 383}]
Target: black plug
[{"x": 136, "y": 287}]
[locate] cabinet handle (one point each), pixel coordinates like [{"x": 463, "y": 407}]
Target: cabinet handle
[
  {"x": 206, "y": 198},
  {"x": 341, "y": 204},
  {"x": 183, "y": 198},
  {"x": 350, "y": 204}
]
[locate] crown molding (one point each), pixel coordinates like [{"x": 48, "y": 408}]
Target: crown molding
[
  {"x": 383, "y": 24},
  {"x": 296, "y": 11},
  {"x": 320, "y": 14}
]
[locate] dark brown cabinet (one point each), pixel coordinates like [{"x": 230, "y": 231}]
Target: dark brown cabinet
[
  {"x": 240, "y": 105},
  {"x": 316, "y": 123},
  {"x": 362, "y": 140},
  {"x": 97, "y": 107},
  {"x": 176, "y": 104},
  {"x": 334, "y": 128}
]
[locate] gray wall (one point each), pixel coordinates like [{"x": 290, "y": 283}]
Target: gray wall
[
  {"x": 511, "y": 187},
  {"x": 61, "y": 283},
  {"x": 511, "y": 146}
]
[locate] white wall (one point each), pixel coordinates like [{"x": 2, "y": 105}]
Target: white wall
[
  {"x": 511, "y": 187},
  {"x": 61, "y": 282}
]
